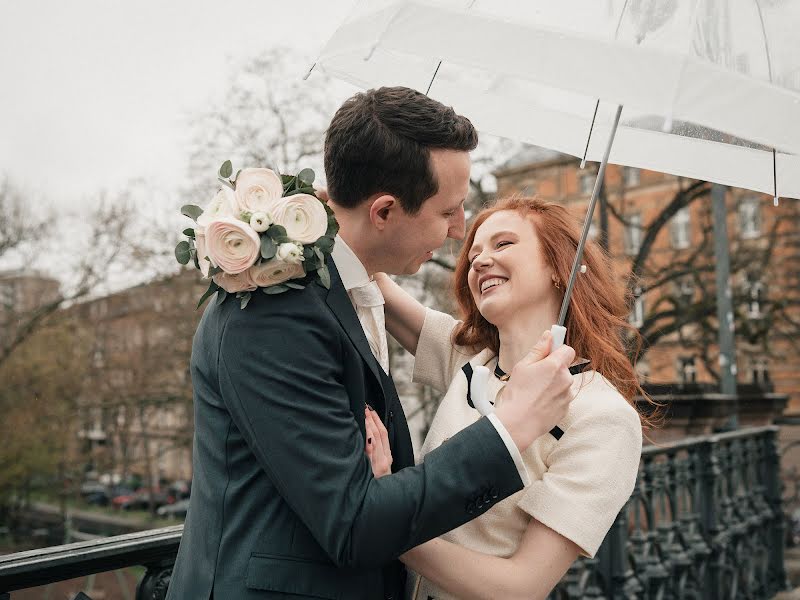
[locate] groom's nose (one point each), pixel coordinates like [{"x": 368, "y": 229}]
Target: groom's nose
[{"x": 458, "y": 226}]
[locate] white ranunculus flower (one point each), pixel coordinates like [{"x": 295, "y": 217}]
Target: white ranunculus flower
[
  {"x": 290, "y": 252},
  {"x": 273, "y": 272},
  {"x": 232, "y": 245},
  {"x": 257, "y": 190},
  {"x": 303, "y": 216},
  {"x": 222, "y": 205},
  {"x": 260, "y": 221}
]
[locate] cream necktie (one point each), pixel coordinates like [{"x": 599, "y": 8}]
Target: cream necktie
[{"x": 368, "y": 301}]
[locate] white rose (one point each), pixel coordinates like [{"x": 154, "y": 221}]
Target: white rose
[
  {"x": 303, "y": 216},
  {"x": 232, "y": 245},
  {"x": 257, "y": 190},
  {"x": 260, "y": 221},
  {"x": 273, "y": 272},
  {"x": 202, "y": 251},
  {"x": 221, "y": 206},
  {"x": 235, "y": 283},
  {"x": 290, "y": 252}
]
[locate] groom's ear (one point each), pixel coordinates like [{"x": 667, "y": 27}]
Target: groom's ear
[{"x": 381, "y": 210}]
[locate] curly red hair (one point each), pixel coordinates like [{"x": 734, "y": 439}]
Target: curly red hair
[{"x": 598, "y": 310}]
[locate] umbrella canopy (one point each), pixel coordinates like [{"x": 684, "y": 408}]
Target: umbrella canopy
[{"x": 710, "y": 88}]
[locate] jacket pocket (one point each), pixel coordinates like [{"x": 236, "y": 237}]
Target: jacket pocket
[{"x": 291, "y": 575}]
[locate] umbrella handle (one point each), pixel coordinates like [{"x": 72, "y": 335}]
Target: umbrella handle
[{"x": 559, "y": 332}]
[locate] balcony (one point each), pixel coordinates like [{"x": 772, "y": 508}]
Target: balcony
[{"x": 705, "y": 521}]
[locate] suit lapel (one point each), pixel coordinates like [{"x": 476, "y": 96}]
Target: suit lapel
[{"x": 339, "y": 303}]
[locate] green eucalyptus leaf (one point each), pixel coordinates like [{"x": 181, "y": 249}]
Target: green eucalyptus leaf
[
  {"x": 236, "y": 177},
  {"x": 289, "y": 184},
  {"x": 306, "y": 177},
  {"x": 294, "y": 286},
  {"x": 276, "y": 232},
  {"x": 325, "y": 244},
  {"x": 244, "y": 299},
  {"x": 183, "y": 252},
  {"x": 226, "y": 169},
  {"x": 221, "y": 295},
  {"x": 268, "y": 247},
  {"x": 324, "y": 277},
  {"x": 188, "y": 232},
  {"x": 319, "y": 255},
  {"x": 212, "y": 270},
  {"x": 192, "y": 211},
  {"x": 212, "y": 287},
  {"x": 275, "y": 289}
]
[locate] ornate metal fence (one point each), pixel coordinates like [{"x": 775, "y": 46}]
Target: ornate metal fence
[{"x": 704, "y": 522}]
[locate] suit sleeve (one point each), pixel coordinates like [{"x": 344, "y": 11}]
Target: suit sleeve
[{"x": 285, "y": 394}]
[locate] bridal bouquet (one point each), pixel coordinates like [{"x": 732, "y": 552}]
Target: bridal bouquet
[{"x": 261, "y": 231}]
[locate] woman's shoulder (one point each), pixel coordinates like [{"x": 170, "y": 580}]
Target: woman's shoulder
[{"x": 598, "y": 398}]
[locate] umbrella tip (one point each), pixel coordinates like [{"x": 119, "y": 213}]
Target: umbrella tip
[
  {"x": 776, "y": 201},
  {"x": 583, "y": 163}
]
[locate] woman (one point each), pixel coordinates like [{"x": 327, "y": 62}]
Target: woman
[{"x": 509, "y": 283}]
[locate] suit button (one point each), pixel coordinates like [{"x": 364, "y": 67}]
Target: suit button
[
  {"x": 493, "y": 493},
  {"x": 470, "y": 507},
  {"x": 391, "y": 414},
  {"x": 486, "y": 498}
]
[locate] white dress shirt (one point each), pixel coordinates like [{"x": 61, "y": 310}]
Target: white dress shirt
[{"x": 354, "y": 275}]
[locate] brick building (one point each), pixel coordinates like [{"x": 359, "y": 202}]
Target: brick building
[
  {"x": 21, "y": 293},
  {"x": 136, "y": 410},
  {"x": 767, "y": 312}
]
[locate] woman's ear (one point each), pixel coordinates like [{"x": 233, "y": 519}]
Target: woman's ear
[{"x": 381, "y": 210}]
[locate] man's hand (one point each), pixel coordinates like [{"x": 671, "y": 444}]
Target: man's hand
[{"x": 538, "y": 393}]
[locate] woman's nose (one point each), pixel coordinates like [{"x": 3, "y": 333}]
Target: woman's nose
[{"x": 481, "y": 261}]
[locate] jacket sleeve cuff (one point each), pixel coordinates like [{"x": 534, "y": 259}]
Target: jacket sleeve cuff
[{"x": 512, "y": 449}]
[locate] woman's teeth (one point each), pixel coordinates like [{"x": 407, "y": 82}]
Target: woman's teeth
[{"x": 489, "y": 283}]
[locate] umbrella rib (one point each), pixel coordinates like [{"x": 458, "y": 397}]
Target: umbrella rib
[
  {"x": 589, "y": 137},
  {"x": 432, "y": 78},
  {"x": 775, "y": 198}
]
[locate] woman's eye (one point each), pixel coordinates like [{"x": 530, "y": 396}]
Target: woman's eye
[{"x": 503, "y": 243}]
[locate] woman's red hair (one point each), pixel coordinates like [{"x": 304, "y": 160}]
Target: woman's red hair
[{"x": 597, "y": 315}]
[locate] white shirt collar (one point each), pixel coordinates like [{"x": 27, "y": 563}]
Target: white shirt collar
[{"x": 351, "y": 269}]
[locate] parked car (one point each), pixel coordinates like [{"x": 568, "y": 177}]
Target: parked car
[
  {"x": 174, "y": 511},
  {"x": 140, "y": 500}
]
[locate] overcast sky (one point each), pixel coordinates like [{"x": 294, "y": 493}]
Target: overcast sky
[{"x": 97, "y": 92}]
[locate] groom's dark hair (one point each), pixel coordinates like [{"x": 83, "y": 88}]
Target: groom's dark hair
[{"x": 379, "y": 141}]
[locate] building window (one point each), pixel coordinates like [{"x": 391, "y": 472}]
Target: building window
[
  {"x": 759, "y": 370},
  {"x": 633, "y": 234},
  {"x": 7, "y": 295},
  {"x": 680, "y": 229},
  {"x": 687, "y": 372},
  {"x": 631, "y": 176},
  {"x": 684, "y": 288},
  {"x": 636, "y": 317},
  {"x": 750, "y": 218},
  {"x": 755, "y": 298},
  {"x": 586, "y": 182}
]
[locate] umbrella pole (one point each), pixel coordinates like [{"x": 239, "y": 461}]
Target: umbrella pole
[{"x": 559, "y": 331}]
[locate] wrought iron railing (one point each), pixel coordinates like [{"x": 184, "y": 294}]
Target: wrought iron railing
[{"x": 704, "y": 522}]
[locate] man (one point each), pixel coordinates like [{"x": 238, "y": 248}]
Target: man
[{"x": 284, "y": 504}]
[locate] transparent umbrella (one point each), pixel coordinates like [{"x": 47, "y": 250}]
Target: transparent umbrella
[{"x": 705, "y": 89}]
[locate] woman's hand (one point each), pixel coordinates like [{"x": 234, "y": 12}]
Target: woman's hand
[{"x": 377, "y": 449}]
